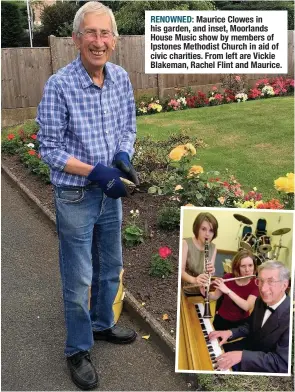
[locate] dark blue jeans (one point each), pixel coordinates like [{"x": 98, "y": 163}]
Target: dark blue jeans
[{"x": 90, "y": 254}]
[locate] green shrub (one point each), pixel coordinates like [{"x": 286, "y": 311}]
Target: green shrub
[
  {"x": 151, "y": 156},
  {"x": 11, "y": 27},
  {"x": 169, "y": 218},
  {"x": 132, "y": 235},
  {"x": 160, "y": 267},
  {"x": 56, "y": 17}
]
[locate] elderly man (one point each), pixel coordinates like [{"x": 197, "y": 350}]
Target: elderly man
[
  {"x": 87, "y": 133},
  {"x": 266, "y": 344}
]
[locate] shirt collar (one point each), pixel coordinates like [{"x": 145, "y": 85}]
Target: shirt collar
[
  {"x": 278, "y": 303},
  {"x": 84, "y": 77}
]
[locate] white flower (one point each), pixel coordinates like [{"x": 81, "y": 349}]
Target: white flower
[
  {"x": 131, "y": 212},
  {"x": 255, "y": 189},
  {"x": 268, "y": 90},
  {"x": 30, "y": 145},
  {"x": 136, "y": 212}
]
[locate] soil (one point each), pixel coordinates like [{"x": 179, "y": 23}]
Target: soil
[{"x": 157, "y": 295}]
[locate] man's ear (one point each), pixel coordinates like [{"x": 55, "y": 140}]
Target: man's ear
[
  {"x": 285, "y": 284},
  {"x": 76, "y": 40},
  {"x": 114, "y": 43}
]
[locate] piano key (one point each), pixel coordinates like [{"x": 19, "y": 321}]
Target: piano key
[{"x": 212, "y": 345}]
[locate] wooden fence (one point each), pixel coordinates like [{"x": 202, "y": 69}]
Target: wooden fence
[{"x": 25, "y": 70}]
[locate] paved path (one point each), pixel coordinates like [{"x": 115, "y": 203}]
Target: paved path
[{"x": 32, "y": 317}]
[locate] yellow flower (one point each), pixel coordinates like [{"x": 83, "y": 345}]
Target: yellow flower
[
  {"x": 221, "y": 200},
  {"x": 195, "y": 170},
  {"x": 177, "y": 153},
  {"x": 285, "y": 184},
  {"x": 178, "y": 188},
  {"x": 189, "y": 205},
  {"x": 190, "y": 148}
]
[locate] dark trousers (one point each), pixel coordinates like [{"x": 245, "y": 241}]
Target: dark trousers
[{"x": 221, "y": 324}]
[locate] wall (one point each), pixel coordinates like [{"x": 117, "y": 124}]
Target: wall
[{"x": 229, "y": 231}]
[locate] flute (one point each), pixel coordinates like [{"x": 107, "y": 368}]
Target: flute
[
  {"x": 224, "y": 280},
  {"x": 230, "y": 279}
]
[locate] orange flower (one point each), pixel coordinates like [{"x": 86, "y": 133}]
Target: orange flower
[
  {"x": 195, "y": 170},
  {"x": 177, "y": 153},
  {"x": 32, "y": 152}
]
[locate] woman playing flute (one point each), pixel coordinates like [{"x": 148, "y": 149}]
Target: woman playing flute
[{"x": 239, "y": 295}]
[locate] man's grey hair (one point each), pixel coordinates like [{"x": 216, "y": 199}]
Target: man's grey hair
[
  {"x": 97, "y": 8},
  {"x": 284, "y": 272}
]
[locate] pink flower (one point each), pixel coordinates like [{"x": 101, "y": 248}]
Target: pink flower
[
  {"x": 219, "y": 97},
  {"x": 164, "y": 252},
  {"x": 238, "y": 78},
  {"x": 214, "y": 88}
]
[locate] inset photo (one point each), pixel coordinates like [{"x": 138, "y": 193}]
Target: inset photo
[{"x": 235, "y": 291}]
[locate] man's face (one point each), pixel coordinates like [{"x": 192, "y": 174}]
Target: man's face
[
  {"x": 271, "y": 293},
  {"x": 95, "y": 50}
]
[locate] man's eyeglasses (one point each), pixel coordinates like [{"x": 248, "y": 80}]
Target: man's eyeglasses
[
  {"x": 260, "y": 282},
  {"x": 93, "y": 34}
]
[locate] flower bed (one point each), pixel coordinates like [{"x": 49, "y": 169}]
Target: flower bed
[
  {"x": 233, "y": 89},
  {"x": 192, "y": 186},
  {"x": 165, "y": 168}
]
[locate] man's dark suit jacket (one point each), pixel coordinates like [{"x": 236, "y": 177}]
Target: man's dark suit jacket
[{"x": 266, "y": 348}]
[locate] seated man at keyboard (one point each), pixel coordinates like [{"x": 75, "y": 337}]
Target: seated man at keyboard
[{"x": 265, "y": 346}]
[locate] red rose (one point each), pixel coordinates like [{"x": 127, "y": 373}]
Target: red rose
[
  {"x": 10, "y": 136},
  {"x": 34, "y": 137},
  {"x": 32, "y": 152},
  {"x": 164, "y": 252}
]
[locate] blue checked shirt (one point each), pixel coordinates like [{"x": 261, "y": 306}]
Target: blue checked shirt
[{"x": 81, "y": 120}]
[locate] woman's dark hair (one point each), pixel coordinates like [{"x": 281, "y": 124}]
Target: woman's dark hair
[{"x": 205, "y": 217}]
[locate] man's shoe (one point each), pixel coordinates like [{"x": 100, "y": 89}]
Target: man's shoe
[
  {"x": 82, "y": 371},
  {"x": 116, "y": 334}
]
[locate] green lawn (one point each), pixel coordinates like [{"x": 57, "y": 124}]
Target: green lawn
[{"x": 254, "y": 140}]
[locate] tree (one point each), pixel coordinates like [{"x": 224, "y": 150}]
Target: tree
[
  {"x": 131, "y": 16},
  {"x": 11, "y": 27},
  {"x": 259, "y": 6},
  {"x": 57, "y": 19}
]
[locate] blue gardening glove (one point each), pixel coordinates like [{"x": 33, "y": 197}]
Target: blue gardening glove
[
  {"x": 109, "y": 180},
  {"x": 122, "y": 162}
]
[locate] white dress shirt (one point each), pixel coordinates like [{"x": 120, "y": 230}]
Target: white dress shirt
[{"x": 268, "y": 312}]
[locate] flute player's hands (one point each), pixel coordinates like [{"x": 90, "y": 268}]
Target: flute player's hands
[{"x": 219, "y": 284}]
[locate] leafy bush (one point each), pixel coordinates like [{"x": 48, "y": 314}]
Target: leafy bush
[
  {"x": 151, "y": 156},
  {"x": 132, "y": 235},
  {"x": 55, "y": 17},
  {"x": 23, "y": 143},
  {"x": 169, "y": 218},
  {"x": 11, "y": 27},
  {"x": 161, "y": 266}
]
